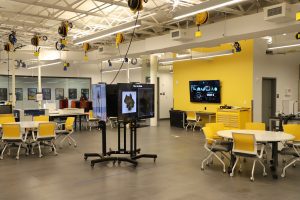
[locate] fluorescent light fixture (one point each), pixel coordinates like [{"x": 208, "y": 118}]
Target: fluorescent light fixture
[
  {"x": 116, "y": 70},
  {"x": 199, "y": 56},
  {"x": 203, "y": 7},
  {"x": 284, "y": 46},
  {"x": 108, "y": 32},
  {"x": 44, "y": 65}
]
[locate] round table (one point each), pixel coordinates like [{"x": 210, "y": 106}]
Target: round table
[
  {"x": 263, "y": 137},
  {"x": 260, "y": 136}
]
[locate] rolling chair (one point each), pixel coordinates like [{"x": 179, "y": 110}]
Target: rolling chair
[
  {"x": 67, "y": 131},
  {"x": 291, "y": 148},
  {"x": 215, "y": 127},
  {"x": 46, "y": 133},
  {"x": 214, "y": 146},
  {"x": 244, "y": 145},
  {"x": 192, "y": 119},
  {"x": 41, "y": 118},
  {"x": 91, "y": 120},
  {"x": 12, "y": 135},
  {"x": 255, "y": 126}
]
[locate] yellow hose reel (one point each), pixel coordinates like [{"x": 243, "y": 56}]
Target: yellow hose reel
[
  {"x": 119, "y": 39},
  {"x": 201, "y": 18},
  {"x": 86, "y": 47},
  {"x": 136, "y": 5}
]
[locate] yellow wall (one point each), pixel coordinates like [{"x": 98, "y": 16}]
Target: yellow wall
[{"x": 235, "y": 73}]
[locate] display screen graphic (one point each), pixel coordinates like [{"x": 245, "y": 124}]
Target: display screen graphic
[
  {"x": 129, "y": 103},
  {"x": 205, "y": 91}
]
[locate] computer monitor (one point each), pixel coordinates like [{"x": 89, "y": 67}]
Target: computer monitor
[
  {"x": 99, "y": 101},
  {"x": 5, "y": 109}
]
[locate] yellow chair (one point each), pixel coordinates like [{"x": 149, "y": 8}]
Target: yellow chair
[
  {"x": 244, "y": 145},
  {"x": 213, "y": 146},
  {"x": 91, "y": 120},
  {"x": 255, "y": 126},
  {"x": 291, "y": 148},
  {"x": 192, "y": 120},
  {"x": 68, "y": 131},
  {"x": 7, "y": 119},
  {"x": 41, "y": 118},
  {"x": 215, "y": 127},
  {"x": 12, "y": 135},
  {"x": 46, "y": 133}
]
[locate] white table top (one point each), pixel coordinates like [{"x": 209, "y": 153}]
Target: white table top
[
  {"x": 26, "y": 124},
  {"x": 260, "y": 136}
]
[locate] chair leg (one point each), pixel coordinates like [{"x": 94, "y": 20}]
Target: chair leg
[
  {"x": 3, "y": 150},
  {"x": 233, "y": 168},
  {"x": 18, "y": 152},
  {"x": 202, "y": 165},
  {"x": 40, "y": 151},
  {"x": 53, "y": 146},
  {"x": 224, "y": 167},
  {"x": 62, "y": 141},
  {"x": 287, "y": 166},
  {"x": 253, "y": 168},
  {"x": 264, "y": 168},
  {"x": 72, "y": 139}
]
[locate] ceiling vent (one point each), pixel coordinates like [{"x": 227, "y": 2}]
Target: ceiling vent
[
  {"x": 180, "y": 35},
  {"x": 279, "y": 13}
]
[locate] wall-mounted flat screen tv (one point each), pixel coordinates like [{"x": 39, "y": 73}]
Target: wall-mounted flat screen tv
[{"x": 205, "y": 91}]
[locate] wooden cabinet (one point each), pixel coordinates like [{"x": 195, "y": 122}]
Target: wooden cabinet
[{"x": 234, "y": 118}]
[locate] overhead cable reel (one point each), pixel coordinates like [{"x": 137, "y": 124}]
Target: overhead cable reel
[
  {"x": 20, "y": 64},
  {"x": 298, "y": 36},
  {"x": 136, "y": 5},
  {"x": 66, "y": 65},
  {"x": 119, "y": 39},
  {"x": 201, "y": 18},
  {"x": 35, "y": 41},
  {"x": 237, "y": 47},
  {"x": 60, "y": 44},
  {"x": 63, "y": 30},
  {"x": 12, "y": 38},
  {"x": 86, "y": 47}
]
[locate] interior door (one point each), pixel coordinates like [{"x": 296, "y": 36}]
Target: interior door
[{"x": 268, "y": 99}]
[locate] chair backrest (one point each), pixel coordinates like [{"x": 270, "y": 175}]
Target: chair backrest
[
  {"x": 209, "y": 135},
  {"x": 6, "y": 115},
  {"x": 69, "y": 123},
  {"x": 293, "y": 129},
  {"x": 7, "y": 119},
  {"x": 255, "y": 126},
  {"x": 46, "y": 130},
  {"x": 244, "y": 143},
  {"x": 11, "y": 131},
  {"x": 191, "y": 115},
  {"x": 41, "y": 118},
  {"x": 215, "y": 127},
  {"x": 91, "y": 115}
]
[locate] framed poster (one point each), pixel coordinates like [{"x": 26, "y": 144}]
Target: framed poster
[
  {"x": 3, "y": 94},
  {"x": 46, "y": 93},
  {"x": 59, "y": 93},
  {"x": 85, "y": 92},
  {"x": 19, "y": 94},
  {"x": 72, "y": 93},
  {"x": 32, "y": 93}
]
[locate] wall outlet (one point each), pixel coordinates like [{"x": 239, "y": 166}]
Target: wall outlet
[{"x": 204, "y": 108}]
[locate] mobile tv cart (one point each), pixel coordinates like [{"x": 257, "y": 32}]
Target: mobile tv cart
[{"x": 134, "y": 152}]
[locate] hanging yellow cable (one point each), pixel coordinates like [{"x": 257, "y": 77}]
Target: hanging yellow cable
[
  {"x": 86, "y": 47},
  {"x": 119, "y": 39}
]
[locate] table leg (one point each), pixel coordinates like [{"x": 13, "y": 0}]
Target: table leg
[
  {"x": 79, "y": 122},
  {"x": 75, "y": 125},
  {"x": 274, "y": 161}
]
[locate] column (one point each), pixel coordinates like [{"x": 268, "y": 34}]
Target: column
[
  {"x": 128, "y": 72},
  {"x": 39, "y": 85},
  {"x": 153, "y": 80}
]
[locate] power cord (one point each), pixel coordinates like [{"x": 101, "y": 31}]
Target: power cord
[{"x": 136, "y": 20}]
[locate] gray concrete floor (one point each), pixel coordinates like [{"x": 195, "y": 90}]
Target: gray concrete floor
[{"x": 175, "y": 175}]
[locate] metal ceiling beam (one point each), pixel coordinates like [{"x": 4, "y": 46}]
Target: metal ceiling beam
[
  {"x": 48, "y": 5},
  {"x": 112, "y": 2},
  {"x": 32, "y": 15}
]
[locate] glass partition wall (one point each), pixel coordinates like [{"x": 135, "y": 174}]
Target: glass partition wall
[{"x": 53, "y": 89}]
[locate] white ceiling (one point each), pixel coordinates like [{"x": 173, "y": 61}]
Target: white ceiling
[{"x": 28, "y": 17}]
